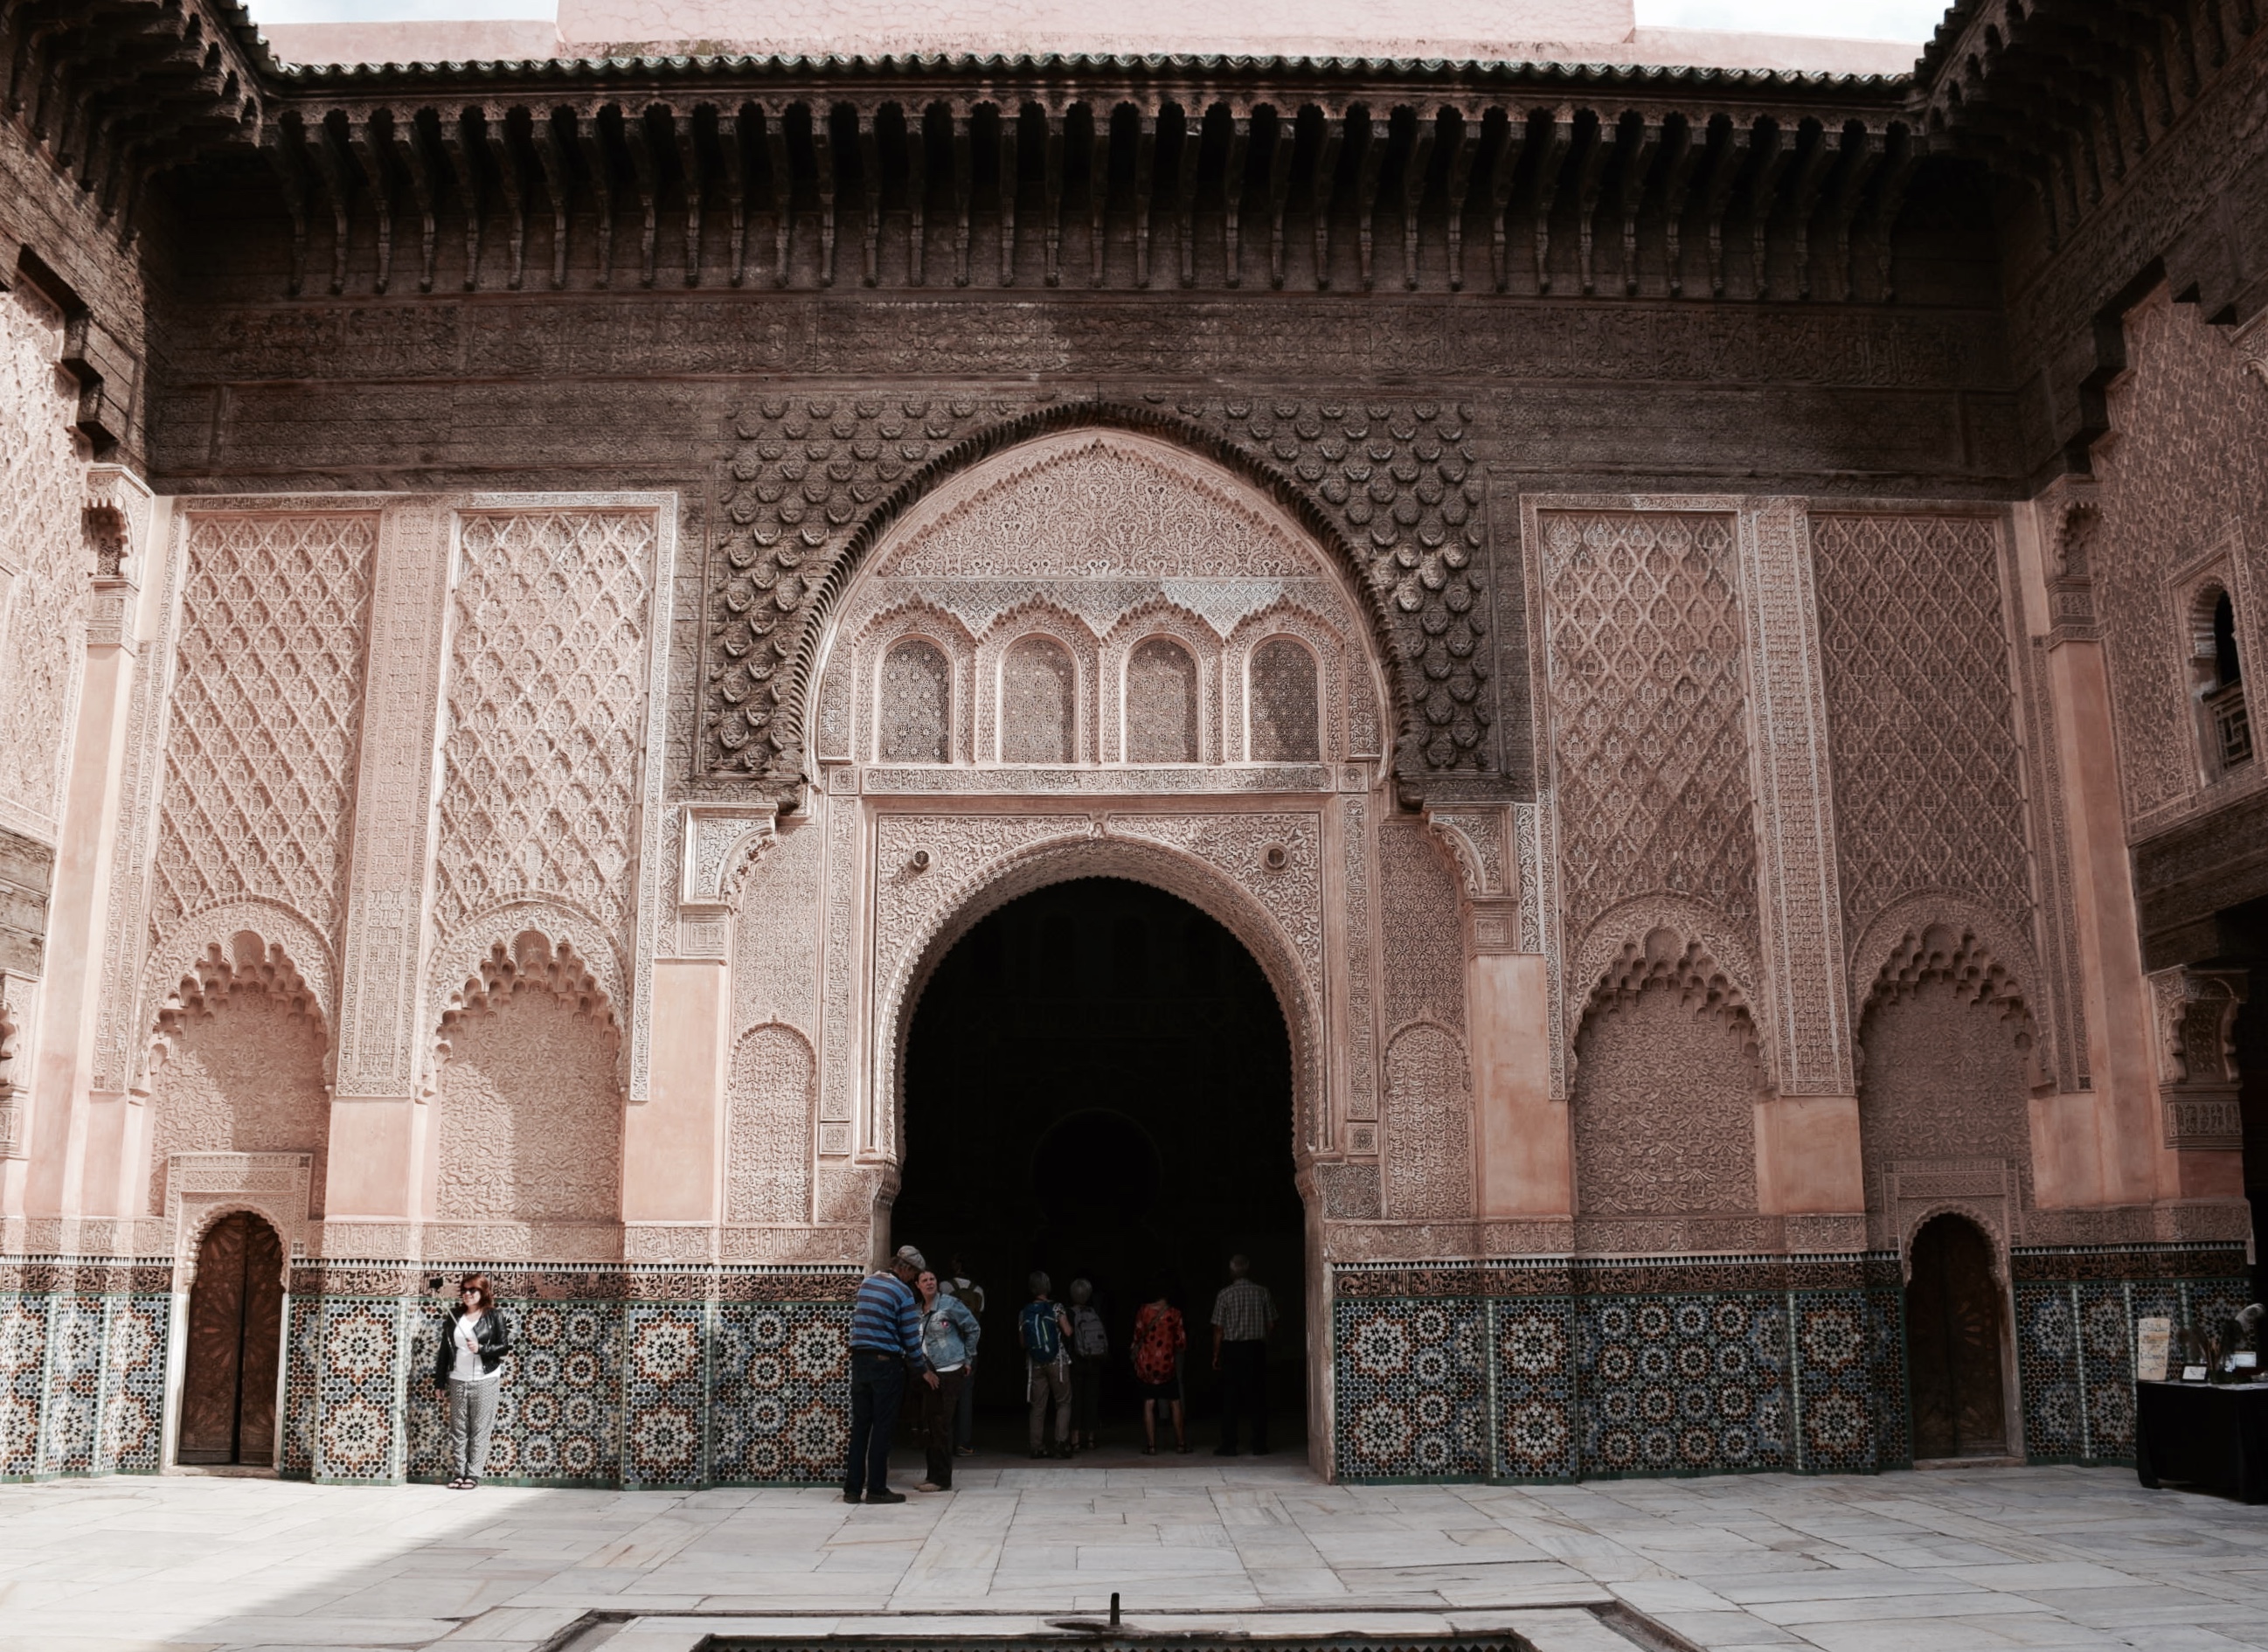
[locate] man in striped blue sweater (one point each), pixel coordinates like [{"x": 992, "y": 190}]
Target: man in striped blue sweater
[{"x": 886, "y": 1342}]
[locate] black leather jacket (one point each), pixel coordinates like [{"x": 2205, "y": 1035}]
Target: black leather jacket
[{"x": 493, "y": 1331}]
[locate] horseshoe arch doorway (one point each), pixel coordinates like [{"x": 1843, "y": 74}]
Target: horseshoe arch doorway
[{"x": 1098, "y": 1083}]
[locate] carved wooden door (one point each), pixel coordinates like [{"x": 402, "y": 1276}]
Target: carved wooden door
[
  {"x": 235, "y": 1340},
  {"x": 1953, "y": 1344}
]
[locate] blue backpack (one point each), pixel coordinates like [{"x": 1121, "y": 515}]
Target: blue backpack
[{"x": 1042, "y": 1336}]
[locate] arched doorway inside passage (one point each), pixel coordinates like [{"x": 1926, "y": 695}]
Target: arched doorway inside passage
[
  {"x": 1098, "y": 1084},
  {"x": 233, "y": 1346},
  {"x": 1955, "y": 1333}
]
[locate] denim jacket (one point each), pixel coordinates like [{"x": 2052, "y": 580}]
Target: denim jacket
[{"x": 949, "y": 1333}]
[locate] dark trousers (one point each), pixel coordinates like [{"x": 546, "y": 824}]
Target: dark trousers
[
  {"x": 1244, "y": 1392},
  {"x": 1086, "y": 1393},
  {"x": 937, "y": 1406},
  {"x": 878, "y": 1384}
]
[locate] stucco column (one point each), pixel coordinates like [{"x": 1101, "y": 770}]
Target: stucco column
[
  {"x": 377, "y": 1146},
  {"x": 2099, "y": 1146},
  {"x": 1522, "y": 1148},
  {"x": 82, "y": 1144},
  {"x": 1808, "y": 1158}
]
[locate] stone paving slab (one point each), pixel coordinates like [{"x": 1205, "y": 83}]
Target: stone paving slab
[{"x": 1979, "y": 1560}]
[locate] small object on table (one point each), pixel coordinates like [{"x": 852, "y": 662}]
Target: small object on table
[
  {"x": 2153, "y": 1341},
  {"x": 2207, "y": 1435}
]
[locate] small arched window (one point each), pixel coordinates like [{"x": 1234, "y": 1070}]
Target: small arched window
[
  {"x": 1038, "y": 692},
  {"x": 2225, "y": 726},
  {"x": 917, "y": 703},
  {"x": 1285, "y": 727},
  {"x": 1161, "y": 702}
]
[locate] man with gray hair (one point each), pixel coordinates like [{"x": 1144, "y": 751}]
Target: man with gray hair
[{"x": 1243, "y": 1316}]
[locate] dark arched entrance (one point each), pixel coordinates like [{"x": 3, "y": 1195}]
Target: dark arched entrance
[
  {"x": 1098, "y": 1083},
  {"x": 1954, "y": 1344},
  {"x": 235, "y": 1333}
]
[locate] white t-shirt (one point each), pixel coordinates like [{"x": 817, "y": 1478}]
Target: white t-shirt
[{"x": 466, "y": 1367}]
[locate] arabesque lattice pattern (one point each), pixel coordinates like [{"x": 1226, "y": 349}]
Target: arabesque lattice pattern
[
  {"x": 1039, "y": 695},
  {"x": 42, "y": 482},
  {"x": 546, "y": 731},
  {"x": 1928, "y": 773},
  {"x": 1648, "y": 711},
  {"x": 1285, "y": 720},
  {"x": 267, "y": 681}
]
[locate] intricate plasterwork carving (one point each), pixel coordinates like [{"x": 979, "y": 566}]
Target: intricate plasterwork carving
[
  {"x": 1361, "y": 963},
  {"x": 202, "y": 1188},
  {"x": 2195, "y": 1023},
  {"x": 19, "y": 996},
  {"x": 1936, "y": 937},
  {"x": 1427, "y": 1155},
  {"x": 46, "y": 564},
  {"x": 382, "y": 1011},
  {"x": 267, "y": 713},
  {"x": 2070, "y": 515},
  {"x": 1662, "y": 927},
  {"x": 1801, "y": 909},
  {"x": 246, "y": 943},
  {"x": 720, "y": 842},
  {"x": 243, "y": 1072},
  {"x": 539, "y": 945},
  {"x": 528, "y": 1114},
  {"x": 1930, "y": 794},
  {"x": 1420, "y": 929},
  {"x": 1394, "y": 474},
  {"x": 1475, "y": 835},
  {"x": 1647, "y": 693},
  {"x": 2179, "y": 479},
  {"x": 767, "y": 1124}
]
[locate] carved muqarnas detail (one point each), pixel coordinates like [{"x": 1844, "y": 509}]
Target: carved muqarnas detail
[
  {"x": 532, "y": 962},
  {"x": 1956, "y": 956},
  {"x": 1667, "y": 960},
  {"x": 249, "y": 964}
]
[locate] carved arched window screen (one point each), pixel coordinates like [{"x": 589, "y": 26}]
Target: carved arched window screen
[
  {"x": 1161, "y": 702},
  {"x": 2224, "y": 724},
  {"x": 1286, "y": 726},
  {"x": 916, "y": 704},
  {"x": 1039, "y": 696}
]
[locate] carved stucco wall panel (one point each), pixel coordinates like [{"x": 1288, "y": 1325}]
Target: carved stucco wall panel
[
  {"x": 244, "y": 1075},
  {"x": 2179, "y": 476},
  {"x": 1664, "y": 1110},
  {"x": 814, "y": 483},
  {"x": 1942, "y": 1099},
  {"x": 527, "y": 1121},
  {"x": 1421, "y": 933},
  {"x": 1428, "y": 1147},
  {"x": 1646, "y": 695},
  {"x": 1929, "y": 762},
  {"x": 768, "y": 1125},
  {"x": 777, "y": 938},
  {"x": 45, "y": 565},
  {"x": 269, "y": 669}
]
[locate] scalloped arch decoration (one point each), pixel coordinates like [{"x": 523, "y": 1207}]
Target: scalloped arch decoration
[
  {"x": 1670, "y": 942},
  {"x": 1949, "y": 947},
  {"x": 243, "y": 945},
  {"x": 524, "y": 947}
]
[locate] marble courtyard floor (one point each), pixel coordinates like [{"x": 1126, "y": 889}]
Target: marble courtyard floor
[{"x": 1935, "y": 1562}]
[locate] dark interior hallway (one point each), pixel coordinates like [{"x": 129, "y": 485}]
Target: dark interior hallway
[{"x": 1098, "y": 1084}]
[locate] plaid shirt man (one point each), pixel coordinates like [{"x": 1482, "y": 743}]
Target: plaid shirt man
[{"x": 1244, "y": 1311}]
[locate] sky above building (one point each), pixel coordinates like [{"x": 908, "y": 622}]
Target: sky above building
[{"x": 1912, "y": 20}]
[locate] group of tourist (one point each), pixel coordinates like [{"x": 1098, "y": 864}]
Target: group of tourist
[{"x": 909, "y": 1324}]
